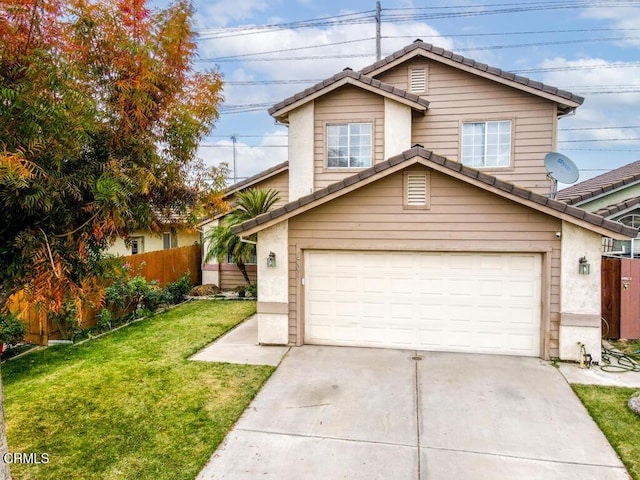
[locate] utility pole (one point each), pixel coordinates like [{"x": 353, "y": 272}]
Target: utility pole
[
  {"x": 378, "y": 22},
  {"x": 234, "y": 137}
]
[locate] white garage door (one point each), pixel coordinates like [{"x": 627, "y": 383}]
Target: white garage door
[{"x": 457, "y": 302}]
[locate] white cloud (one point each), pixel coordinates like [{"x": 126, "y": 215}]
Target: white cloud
[
  {"x": 588, "y": 145},
  {"x": 338, "y": 40},
  {"x": 222, "y": 12},
  {"x": 625, "y": 18},
  {"x": 266, "y": 152}
]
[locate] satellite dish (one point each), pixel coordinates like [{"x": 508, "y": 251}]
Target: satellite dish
[{"x": 561, "y": 169}]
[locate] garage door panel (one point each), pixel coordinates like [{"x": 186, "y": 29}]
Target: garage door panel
[{"x": 467, "y": 302}]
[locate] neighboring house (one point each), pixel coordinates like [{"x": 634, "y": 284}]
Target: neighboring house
[
  {"x": 144, "y": 241},
  {"x": 385, "y": 244},
  {"x": 226, "y": 274},
  {"x": 616, "y": 196}
]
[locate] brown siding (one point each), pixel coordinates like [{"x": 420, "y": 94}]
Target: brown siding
[
  {"x": 279, "y": 182},
  {"x": 461, "y": 218},
  {"x": 231, "y": 277},
  {"x": 347, "y": 104},
  {"x": 458, "y": 96}
]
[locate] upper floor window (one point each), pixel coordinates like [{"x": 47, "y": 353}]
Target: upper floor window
[
  {"x": 486, "y": 144},
  {"x": 349, "y": 145}
]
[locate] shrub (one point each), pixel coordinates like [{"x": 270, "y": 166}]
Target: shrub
[
  {"x": 12, "y": 329},
  {"x": 176, "y": 291},
  {"x": 252, "y": 289}
]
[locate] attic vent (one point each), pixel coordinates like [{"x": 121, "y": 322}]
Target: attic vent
[
  {"x": 416, "y": 190},
  {"x": 418, "y": 80}
]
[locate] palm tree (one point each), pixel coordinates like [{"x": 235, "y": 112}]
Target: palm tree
[{"x": 222, "y": 242}]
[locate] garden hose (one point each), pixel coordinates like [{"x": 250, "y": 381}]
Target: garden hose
[{"x": 625, "y": 362}]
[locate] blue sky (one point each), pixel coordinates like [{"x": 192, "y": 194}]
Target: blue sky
[{"x": 591, "y": 48}]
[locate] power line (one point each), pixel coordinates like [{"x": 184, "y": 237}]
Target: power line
[
  {"x": 596, "y": 128},
  {"x": 296, "y": 48},
  {"x": 498, "y": 34},
  {"x": 310, "y": 57},
  {"x": 635, "y": 139},
  {"x": 468, "y": 49},
  {"x": 368, "y": 16}
]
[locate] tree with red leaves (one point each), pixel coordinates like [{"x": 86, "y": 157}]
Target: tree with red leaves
[{"x": 101, "y": 115}]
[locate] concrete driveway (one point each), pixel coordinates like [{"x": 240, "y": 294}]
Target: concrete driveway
[{"x": 358, "y": 413}]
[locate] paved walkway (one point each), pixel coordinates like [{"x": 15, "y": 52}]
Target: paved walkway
[
  {"x": 336, "y": 412},
  {"x": 240, "y": 345}
]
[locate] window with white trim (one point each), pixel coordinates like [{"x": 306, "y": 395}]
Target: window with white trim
[
  {"x": 349, "y": 145},
  {"x": 486, "y": 144}
]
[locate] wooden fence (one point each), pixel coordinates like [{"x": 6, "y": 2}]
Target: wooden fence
[
  {"x": 168, "y": 265},
  {"x": 164, "y": 265},
  {"x": 621, "y": 297}
]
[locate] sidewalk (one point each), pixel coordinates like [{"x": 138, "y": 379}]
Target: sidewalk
[
  {"x": 596, "y": 376},
  {"x": 240, "y": 346}
]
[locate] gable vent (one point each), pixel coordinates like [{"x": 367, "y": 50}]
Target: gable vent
[
  {"x": 418, "y": 80},
  {"x": 416, "y": 190}
]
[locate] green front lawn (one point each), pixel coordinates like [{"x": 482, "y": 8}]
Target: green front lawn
[
  {"x": 608, "y": 407},
  {"x": 130, "y": 405}
]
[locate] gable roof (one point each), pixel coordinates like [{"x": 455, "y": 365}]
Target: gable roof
[
  {"x": 348, "y": 77},
  {"x": 258, "y": 177},
  {"x": 470, "y": 175},
  {"x": 567, "y": 100},
  {"x": 607, "y": 182},
  {"x": 246, "y": 183},
  {"x": 622, "y": 207}
]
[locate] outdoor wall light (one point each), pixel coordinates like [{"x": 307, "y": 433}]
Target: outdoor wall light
[
  {"x": 583, "y": 266},
  {"x": 271, "y": 260}
]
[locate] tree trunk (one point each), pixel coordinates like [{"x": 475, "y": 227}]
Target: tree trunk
[
  {"x": 5, "y": 468},
  {"x": 243, "y": 270}
]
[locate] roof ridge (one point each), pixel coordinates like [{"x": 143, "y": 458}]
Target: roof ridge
[
  {"x": 600, "y": 184},
  {"x": 347, "y": 72},
  {"x": 450, "y": 55},
  {"x": 257, "y": 176}
]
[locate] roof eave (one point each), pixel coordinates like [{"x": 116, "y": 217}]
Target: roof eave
[
  {"x": 448, "y": 167},
  {"x": 566, "y": 103},
  {"x": 281, "y": 113}
]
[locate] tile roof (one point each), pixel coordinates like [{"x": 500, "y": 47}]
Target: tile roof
[
  {"x": 470, "y": 173},
  {"x": 257, "y": 177},
  {"x": 482, "y": 67},
  {"x": 359, "y": 78},
  {"x": 604, "y": 183},
  {"x": 611, "y": 210}
]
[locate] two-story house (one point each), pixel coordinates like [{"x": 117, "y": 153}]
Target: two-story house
[{"x": 418, "y": 217}]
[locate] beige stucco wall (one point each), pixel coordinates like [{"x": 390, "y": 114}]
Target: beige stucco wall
[
  {"x": 580, "y": 295},
  {"x": 301, "y": 124},
  {"x": 273, "y": 286},
  {"x": 153, "y": 242},
  {"x": 397, "y": 128}
]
